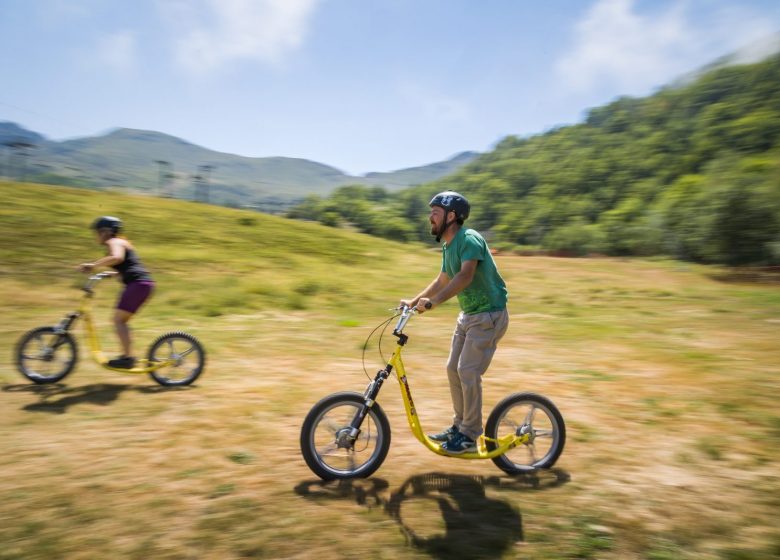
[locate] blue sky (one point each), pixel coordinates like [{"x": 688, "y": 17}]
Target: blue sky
[{"x": 360, "y": 85}]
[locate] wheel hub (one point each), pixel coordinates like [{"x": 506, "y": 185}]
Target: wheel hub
[
  {"x": 526, "y": 429},
  {"x": 343, "y": 438}
]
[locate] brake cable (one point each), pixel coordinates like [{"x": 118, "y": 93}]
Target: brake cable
[{"x": 381, "y": 334}]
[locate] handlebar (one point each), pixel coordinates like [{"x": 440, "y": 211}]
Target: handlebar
[
  {"x": 406, "y": 314},
  {"x": 95, "y": 278}
]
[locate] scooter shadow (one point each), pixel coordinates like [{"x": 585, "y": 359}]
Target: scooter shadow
[
  {"x": 473, "y": 524},
  {"x": 57, "y": 398}
]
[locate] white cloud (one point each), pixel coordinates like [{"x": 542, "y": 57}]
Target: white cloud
[
  {"x": 617, "y": 46},
  {"x": 118, "y": 51},
  {"x": 211, "y": 33}
]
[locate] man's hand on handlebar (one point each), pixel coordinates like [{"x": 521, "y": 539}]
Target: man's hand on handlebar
[{"x": 421, "y": 305}]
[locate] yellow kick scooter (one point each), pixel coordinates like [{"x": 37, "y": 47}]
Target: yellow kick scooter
[
  {"x": 347, "y": 435},
  {"x": 48, "y": 354}
]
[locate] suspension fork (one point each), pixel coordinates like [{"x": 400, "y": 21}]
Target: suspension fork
[
  {"x": 372, "y": 391},
  {"x": 60, "y": 330},
  {"x": 67, "y": 322},
  {"x": 369, "y": 398}
]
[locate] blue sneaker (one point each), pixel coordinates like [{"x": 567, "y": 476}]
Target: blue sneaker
[
  {"x": 446, "y": 435},
  {"x": 459, "y": 443}
]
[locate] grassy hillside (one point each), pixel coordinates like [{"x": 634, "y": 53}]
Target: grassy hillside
[
  {"x": 226, "y": 260},
  {"x": 667, "y": 376}
]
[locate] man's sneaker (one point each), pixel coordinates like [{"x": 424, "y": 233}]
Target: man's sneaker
[
  {"x": 459, "y": 443},
  {"x": 446, "y": 435},
  {"x": 122, "y": 362}
]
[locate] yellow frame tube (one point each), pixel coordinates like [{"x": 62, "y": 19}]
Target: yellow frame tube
[
  {"x": 85, "y": 311},
  {"x": 504, "y": 444}
]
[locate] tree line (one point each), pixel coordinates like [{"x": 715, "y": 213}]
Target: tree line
[{"x": 692, "y": 171}]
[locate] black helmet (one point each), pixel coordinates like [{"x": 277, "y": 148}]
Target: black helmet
[
  {"x": 107, "y": 222},
  {"x": 452, "y": 202}
]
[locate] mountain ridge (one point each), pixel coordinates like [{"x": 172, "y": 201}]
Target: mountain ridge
[{"x": 160, "y": 163}]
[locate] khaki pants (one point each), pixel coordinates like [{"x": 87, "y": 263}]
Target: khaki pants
[{"x": 473, "y": 345}]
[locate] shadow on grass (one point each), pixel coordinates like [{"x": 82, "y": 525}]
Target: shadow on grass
[
  {"x": 57, "y": 398},
  {"x": 472, "y": 524}
]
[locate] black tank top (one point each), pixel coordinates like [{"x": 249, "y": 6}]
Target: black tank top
[{"x": 131, "y": 268}]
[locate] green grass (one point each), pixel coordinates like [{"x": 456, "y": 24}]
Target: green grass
[{"x": 667, "y": 378}]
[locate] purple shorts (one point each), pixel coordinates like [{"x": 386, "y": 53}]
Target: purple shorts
[{"x": 135, "y": 294}]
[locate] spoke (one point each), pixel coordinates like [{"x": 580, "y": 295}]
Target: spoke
[
  {"x": 529, "y": 418},
  {"x": 544, "y": 433},
  {"x": 351, "y": 459},
  {"x": 328, "y": 450},
  {"x": 332, "y": 425},
  {"x": 186, "y": 352},
  {"x": 532, "y": 452}
]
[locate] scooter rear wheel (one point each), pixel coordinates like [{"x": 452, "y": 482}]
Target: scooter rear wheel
[
  {"x": 185, "y": 354},
  {"x": 530, "y": 413}
]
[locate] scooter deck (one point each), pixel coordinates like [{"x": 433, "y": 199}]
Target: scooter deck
[{"x": 142, "y": 367}]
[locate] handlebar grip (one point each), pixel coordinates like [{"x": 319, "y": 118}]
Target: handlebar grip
[{"x": 428, "y": 305}]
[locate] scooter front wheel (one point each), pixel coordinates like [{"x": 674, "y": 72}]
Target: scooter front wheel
[
  {"x": 536, "y": 416},
  {"x": 44, "y": 355},
  {"x": 330, "y": 449},
  {"x": 185, "y": 356}
]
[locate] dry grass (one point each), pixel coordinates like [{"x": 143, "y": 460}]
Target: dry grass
[
  {"x": 667, "y": 378},
  {"x": 668, "y": 382}
]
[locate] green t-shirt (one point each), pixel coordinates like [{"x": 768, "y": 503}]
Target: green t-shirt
[{"x": 487, "y": 291}]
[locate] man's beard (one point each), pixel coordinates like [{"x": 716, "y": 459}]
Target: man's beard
[{"x": 438, "y": 231}]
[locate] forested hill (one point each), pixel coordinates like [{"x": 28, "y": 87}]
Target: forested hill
[{"x": 692, "y": 171}]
